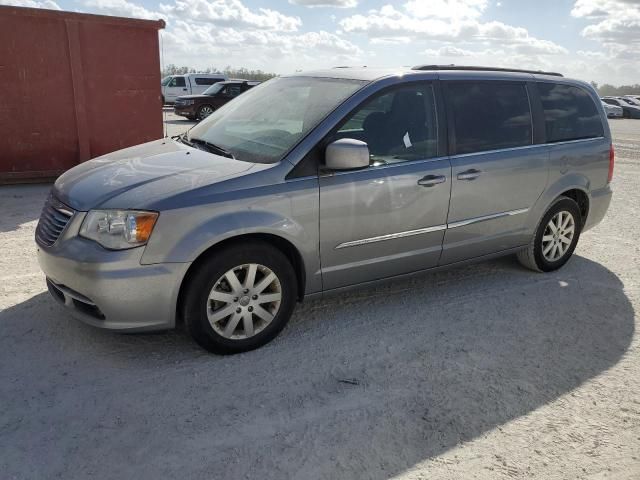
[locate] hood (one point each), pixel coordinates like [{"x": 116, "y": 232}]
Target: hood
[
  {"x": 191, "y": 97},
  {"x": 137, "y": 176}
]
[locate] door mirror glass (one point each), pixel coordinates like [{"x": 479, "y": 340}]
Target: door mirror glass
[{"x": 347, "y": 154}]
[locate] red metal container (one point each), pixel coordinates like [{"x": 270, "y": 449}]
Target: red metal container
[{"x": 73, "y": 87}]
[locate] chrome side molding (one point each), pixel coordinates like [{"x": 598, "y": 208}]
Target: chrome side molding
[
  {"x": 392, "y": 236},
  {"x": 484, "y": 218},
  {"x": 435, "y": 228}
]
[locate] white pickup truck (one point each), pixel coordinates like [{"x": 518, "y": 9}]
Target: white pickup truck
[{"x": 174, "y": 86}]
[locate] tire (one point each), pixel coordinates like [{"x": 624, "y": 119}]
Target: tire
[
  {"x": 210, "y": 279},
  {"x": 204, "y": 111},
  {"x": 537, "y": 256}
]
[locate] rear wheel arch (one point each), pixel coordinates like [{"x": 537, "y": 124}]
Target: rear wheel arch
[
  {"x": 280, "y": 243},
  {"x": 581, "y": 198}
]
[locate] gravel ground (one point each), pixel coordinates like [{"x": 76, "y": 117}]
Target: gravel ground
[{"x": 487, "y": 372}]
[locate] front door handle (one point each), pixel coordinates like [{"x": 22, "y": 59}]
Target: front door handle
[
  {"x": 471, "y": 174},
  {"x": 432, "y": 180}
]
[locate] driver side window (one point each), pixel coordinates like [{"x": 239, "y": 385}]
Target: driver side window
[{"x": 398, "y": 125}]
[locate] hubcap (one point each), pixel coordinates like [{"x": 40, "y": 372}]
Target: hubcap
[
  {"x": 206, "y": 111},
  {"x": 558, "y": 235},
  {"x": 244, "y": 301}
]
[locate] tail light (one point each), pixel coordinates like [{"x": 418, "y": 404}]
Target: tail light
[{"x": 612, "y": 160}]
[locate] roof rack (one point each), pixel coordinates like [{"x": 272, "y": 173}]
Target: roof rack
[{"x": 480, "y": 69}]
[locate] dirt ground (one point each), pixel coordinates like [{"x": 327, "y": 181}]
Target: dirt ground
[{"x": 488, "y": 372}]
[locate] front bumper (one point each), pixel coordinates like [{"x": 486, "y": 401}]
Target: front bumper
[
  {"x": 184, "y": 110},
  {"x": 110, "y": 289}
]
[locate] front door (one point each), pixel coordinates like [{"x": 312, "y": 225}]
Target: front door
[
  {"x": 390, "y": 218},
  {"x": 176, "y": 88},
  {"x": 497, "y": 172}
]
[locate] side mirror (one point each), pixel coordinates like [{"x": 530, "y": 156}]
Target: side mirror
[{"x": 347, "y": 154}]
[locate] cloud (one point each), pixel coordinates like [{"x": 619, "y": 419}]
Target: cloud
[
  {"x": 231, "y": 13},
  {"x": 121, "y": 8},
  {"x": 614, "y": 21},
  {"x": 204, "y": 45},
  {"x": 446, "y": 9},
  {"x": 449, "y": 51},
  {"x": 325, "y": 3},
  {"x": 48, "y": 4},
  {"x": 616, "y": 25},
  {"x": 455, "y": 21}
]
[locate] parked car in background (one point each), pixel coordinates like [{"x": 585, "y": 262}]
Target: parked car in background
[
  {"x": 613, "y": 111},
  {"x": 631, "y": 100},
  {"x": 174, "y": 86},
  {"x": 635, "y": 97},
  {"x": 197, "y": 107},
  {"x": 317, "y": 182},
  {"x": 629, "y": 110}
]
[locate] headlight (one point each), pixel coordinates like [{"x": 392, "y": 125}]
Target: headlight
[{"x": 118, "y": 229}]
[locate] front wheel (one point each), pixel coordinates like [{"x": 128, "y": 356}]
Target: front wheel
[
  {"x": 240, "y": 298},
  {"x": 555, "y": 238},
  {"x": 204, "y": 111}
]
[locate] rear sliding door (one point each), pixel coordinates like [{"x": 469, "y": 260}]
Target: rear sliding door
[{"x": 498, "y": 172}]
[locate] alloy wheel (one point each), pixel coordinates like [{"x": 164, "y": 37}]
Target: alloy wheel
[
  {"x": 244, "y": 301},
  {"x": 205, "y": 111},
  {"x": 558, "y": 235}
]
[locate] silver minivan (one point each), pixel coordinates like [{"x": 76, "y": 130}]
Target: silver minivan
[{"x": 317, "y": 182}]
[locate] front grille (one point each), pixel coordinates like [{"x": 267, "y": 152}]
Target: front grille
[{"x": 53, "y": 220}]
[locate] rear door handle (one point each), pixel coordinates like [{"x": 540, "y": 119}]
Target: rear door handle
[
  {"x": 471, "y": 174},
  {"x": 432, "y": 180}
]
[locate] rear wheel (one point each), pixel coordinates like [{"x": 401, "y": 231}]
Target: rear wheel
[
  {"x": 555, "y": 238},
  {"x": 240, "y": 298}
]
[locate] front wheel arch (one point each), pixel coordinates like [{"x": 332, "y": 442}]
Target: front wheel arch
[{"x": 285, "y": 246}]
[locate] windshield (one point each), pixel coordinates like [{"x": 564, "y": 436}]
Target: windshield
[
  {"x": 213, "y": 89},
  {"x": 165, "y": 81},
  {"x": 263, "y": 124}
]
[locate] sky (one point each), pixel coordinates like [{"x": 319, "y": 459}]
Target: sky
[{"x": 594, "y": 40}]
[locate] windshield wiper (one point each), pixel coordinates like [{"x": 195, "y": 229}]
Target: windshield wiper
[
  {"x": 211, "y": 147},
  {"x": 182, "y": 138},
  {"x": 198, "y": 143}
]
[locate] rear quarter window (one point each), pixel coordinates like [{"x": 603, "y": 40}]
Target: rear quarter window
[
  {"x": 569, "y": 113},
  {"x": 489, "y": 115}
]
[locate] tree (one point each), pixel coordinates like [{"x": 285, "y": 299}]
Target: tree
[
  {"x": 608, "y": 90},
  {"x": 242, "y": 72}
]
